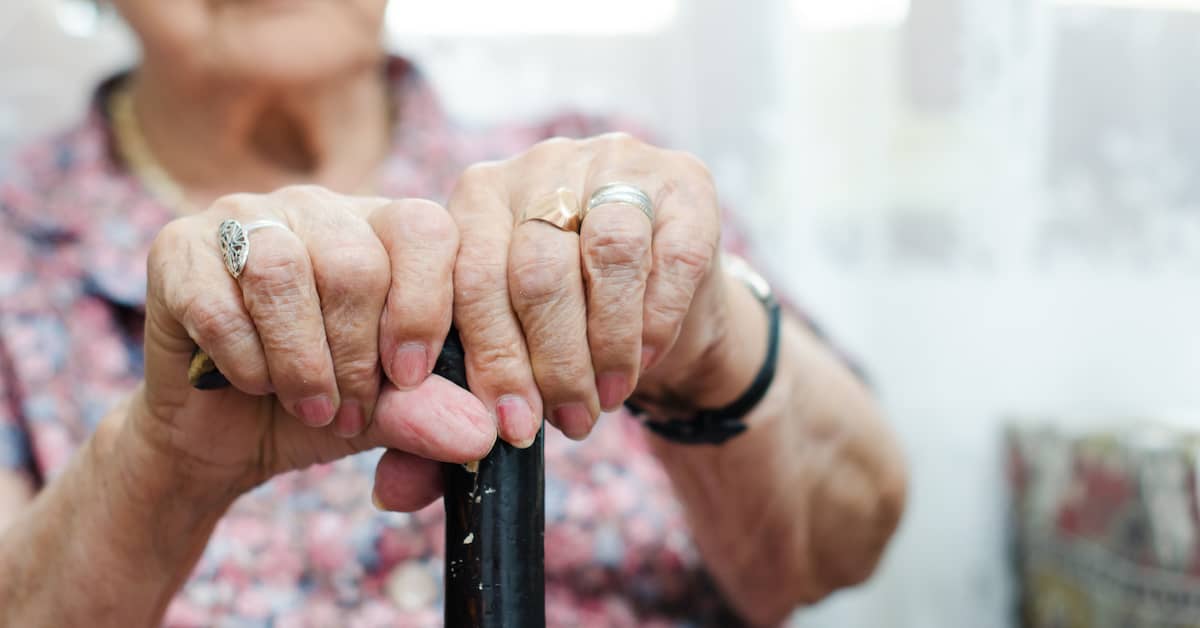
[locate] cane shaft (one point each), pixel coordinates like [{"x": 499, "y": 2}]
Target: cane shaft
[{"x": 495, "y": 520}]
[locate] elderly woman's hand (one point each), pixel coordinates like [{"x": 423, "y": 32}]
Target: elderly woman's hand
[
  {"x": 333, "y": 286},
  {"x": 569, "y": 324}
]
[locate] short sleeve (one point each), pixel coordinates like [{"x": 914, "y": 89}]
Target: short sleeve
[
  {"x": 15, "y": 453},
  {"x": 16, "y": 294}
]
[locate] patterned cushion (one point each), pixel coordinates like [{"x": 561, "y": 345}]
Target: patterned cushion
[{"x": 1106, "y": 528}]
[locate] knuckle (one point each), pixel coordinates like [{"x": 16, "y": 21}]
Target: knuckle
[
  {"x": 482, "y": 173},
  {"x": 485, "y": 320},
  {"x": 354, "y": 272},
  {"x": 477, "y": 274},
  {"x": 686, "y": 259},
  {"x": 275, "y": 271},
  {"x": 500, "y": 363},
  {"x": 540, "y": 276},
  {"x": 614, "y": 322},
  {"x": 349, "y": 319},
  {"x": 211, "y": 320},
  {"x": 561, "y": 369},
  {"x": 618, "y": 141},
  {"x": 360, "y": 371},
  {"x": 662, "y": 316},
  {"x": 172, "y": 235},
  {"x": 478, "y": 181},
  {"x": 415, "y": 320},
  {"x": 617, "y": 251},
  {"x": 496, "y": 356},
  {"x": 171, "y": 240},
  {"x": 308, "y": 369},
  {"x": 548, "y": 147},
  {"x": 426, "y": 223},
  {"x": 419, "y": 207},
  {"x": 561, "y": 377}
]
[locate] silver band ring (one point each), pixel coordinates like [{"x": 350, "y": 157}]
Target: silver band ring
[
  {"x": 234, "y": 238},
  {"x": 623, "y": 193}
]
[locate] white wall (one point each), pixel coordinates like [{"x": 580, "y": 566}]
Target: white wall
[{"x": 995, "y": 205}]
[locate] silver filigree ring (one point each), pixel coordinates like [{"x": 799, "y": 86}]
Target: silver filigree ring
[
  {"x": 234, "y": 238},
  {"x": 623, "y": 193}
]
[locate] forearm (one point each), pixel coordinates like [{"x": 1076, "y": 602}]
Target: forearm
[
  {"x": 107, "y": 542},
  {"x": 804, "y": 501}
]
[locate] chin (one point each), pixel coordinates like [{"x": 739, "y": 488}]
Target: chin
[
  {"x": 292, "y": 41},
  {"x": 271, "y": 67}
]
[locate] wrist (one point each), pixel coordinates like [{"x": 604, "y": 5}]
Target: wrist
[
  {"x": 147, "y": 485},
  {"x": 729, "y": 362},
  {"x": 113, "y": 527},
  {"x": 739, "y": 359}
]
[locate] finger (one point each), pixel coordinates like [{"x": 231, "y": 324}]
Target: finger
[
  {"x": 686, "y": 235},
  {"x": 190, "y": 290},
  {"x": 280, "y": 294},
  {"x": 406, "y": 483},
  {"x": 546, "y": 288},
  {"x": 615, "y": 253},
  {"x": 421, "y": 242},
  {"x": 498, "y": 368},
  {"x": 436, "y": 420},
  {"x": 351, "y": 273}
]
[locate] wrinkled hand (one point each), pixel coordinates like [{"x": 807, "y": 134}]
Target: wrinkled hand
[
  {"x": 568, "y": 324},
  {"x": 350, "y": 285}
]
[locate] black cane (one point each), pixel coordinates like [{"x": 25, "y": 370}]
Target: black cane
[{"x": 495, "y": 520}]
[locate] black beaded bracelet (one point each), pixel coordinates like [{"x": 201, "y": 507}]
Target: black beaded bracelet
[{"x": 715, "y": 426}]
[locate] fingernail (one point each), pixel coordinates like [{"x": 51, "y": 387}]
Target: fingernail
[
  {"x": 574, "y": 420},
  {"x": 409, "y": 365},
  {"x": 350, "y": 419},
  {"x": 612, "y": 388},
  {"x": 315, "y": 411},
  {"x": 648, "y": 355},
  {"x": 516, "y": 420},
  {"x": 375, "y": 500}
]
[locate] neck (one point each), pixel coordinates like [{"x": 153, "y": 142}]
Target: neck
[{"x": 217, "y": 139}]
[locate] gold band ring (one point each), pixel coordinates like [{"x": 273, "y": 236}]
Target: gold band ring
[{"x": 559, "y": 208}]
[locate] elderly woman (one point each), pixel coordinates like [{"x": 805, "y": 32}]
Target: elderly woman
[{"x": 128, "y": 498}]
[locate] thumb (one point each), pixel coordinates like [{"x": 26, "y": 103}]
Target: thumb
[
  {"x": 436, "y": 420},
  {"x": 406, "y": 483}
]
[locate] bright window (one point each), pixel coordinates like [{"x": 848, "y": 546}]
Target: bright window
[
  {"x": 529, "y": 17},
  {"x": 834, "y": 15},
  {"x": 1162, "y": 5}
]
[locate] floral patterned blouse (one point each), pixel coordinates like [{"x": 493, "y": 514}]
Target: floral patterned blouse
[{"x": 307, "y": 548}]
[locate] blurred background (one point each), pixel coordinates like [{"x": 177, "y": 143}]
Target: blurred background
[{"x": 995, "y": 204}]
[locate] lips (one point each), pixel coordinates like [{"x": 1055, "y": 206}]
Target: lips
[{"x": 264, "y": 4}]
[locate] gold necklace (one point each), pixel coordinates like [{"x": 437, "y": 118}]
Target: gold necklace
[
  {"x": 135, "y": 151},
  {"x": 131, "y": 145}
]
